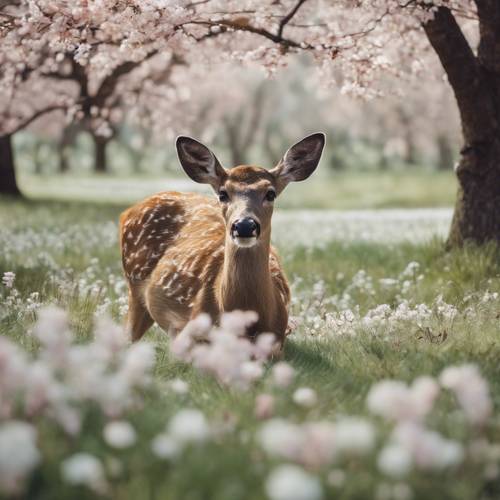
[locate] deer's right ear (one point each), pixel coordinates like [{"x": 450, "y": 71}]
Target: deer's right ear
[{"x": 199, "y": 162}]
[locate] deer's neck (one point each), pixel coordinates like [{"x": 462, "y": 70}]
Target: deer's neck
[{"x": 246, "y": 279}]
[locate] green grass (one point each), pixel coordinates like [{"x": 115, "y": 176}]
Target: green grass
[
  {"x": 345, "y": 190},
  {"x": 50, "y": 247}
]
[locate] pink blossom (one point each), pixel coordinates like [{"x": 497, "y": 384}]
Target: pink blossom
[
  {"x": 264, "y": 406},
  {"x": 471, "y": 390},
  {"x": 283, "y": 374}
]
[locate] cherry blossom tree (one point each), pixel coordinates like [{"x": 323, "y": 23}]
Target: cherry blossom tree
[{"x": 353, "y": 43}]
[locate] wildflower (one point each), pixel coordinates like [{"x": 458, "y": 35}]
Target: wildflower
[
  {"x": 394, "y": 460},
  {"x": 166, "y": 447},
  {"x": 265, "y": 346},
  {"x": 251, "y": 371},
  {"x": 189, "y": 426},
  {"x": 281, "y": 438},
  {"x": 138, "y": 362},
  {"x": 179, "y": 386},
  {"x": 394, "y": 400},
  {"x": 471, "y": 390},
  {"x": 238, "y": 321},
  {"x": 19, "y": 454},
  {"x": 264, "y": 406},
  {"x": 305, "y": 396},
  {"x": 109, "y": 335},
  {"x": 52, "y": 330},
  {"x": 84, "y": 469},
  {"x": 119, "y": 434},
  {"x": 283, "y": 374},
  {"x": 319, "y": 444},
  {"x": 429, "y": 450},
  {"x": 354, "y": 435},
  {"x": 8, "y": 279},
  {"x": 290, "y": 482}
]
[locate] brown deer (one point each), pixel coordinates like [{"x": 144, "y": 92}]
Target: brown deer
[{"x": 184, "y": 254}]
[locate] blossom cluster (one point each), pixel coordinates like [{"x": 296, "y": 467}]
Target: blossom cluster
[
  {"x": 61, "y": 383},
  {"x": 225, "y": 351}
]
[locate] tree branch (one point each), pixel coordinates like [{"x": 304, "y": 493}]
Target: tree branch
[
  {"x": 108, "y": 85},
  {"x": 473, "y": 97},
  {"x": 36, "y": 115},
  {"x": 489, "y": 29},
  {"x": 289, "y": 16}
]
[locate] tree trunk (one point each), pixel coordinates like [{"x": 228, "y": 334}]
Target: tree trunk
[
  {"x": 100, "y": 157},
  {"x": 476, "y": 84},
  {"x": 477, "y": 209},
  {"x": 8, "y": 182},
  {"x": 67, "y": 139}
]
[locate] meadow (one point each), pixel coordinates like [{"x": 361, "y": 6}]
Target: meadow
[{"x": 388, "y": 387}]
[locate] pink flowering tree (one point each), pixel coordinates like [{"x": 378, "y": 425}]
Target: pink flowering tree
[{"x": 352, "y": 42}]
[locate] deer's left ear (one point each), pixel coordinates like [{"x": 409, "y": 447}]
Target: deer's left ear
[
  {"x": 199, "y": 162},
  {"x": 300, "y": 161}
]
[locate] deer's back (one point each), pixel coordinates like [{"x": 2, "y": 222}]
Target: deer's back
[{"x": 183, "y": 225}]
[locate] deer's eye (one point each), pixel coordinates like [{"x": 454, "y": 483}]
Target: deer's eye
[
  {"x": 270, "y": 195},
  {"x": 223, "y": 196}
]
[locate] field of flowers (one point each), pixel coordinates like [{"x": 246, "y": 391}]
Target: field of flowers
[{"x": 388, "y": 388}]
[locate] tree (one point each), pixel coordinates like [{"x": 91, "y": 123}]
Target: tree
[
  {"x": 474, "y": 77},
  {"x": 353, "y": 43}
]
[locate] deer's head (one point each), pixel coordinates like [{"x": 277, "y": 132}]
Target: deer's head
[{"x": 247, "y": 193}]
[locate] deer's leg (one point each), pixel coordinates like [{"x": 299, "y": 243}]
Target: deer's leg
[{"x": 138, "y": 318}]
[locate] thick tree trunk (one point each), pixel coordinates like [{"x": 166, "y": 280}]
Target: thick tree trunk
[
  {"x": 100, "y": 157},
  {"x": 8, "y": 182},
  {"x": 477, "y": 209},
  {"x": 476, "y": 83}
]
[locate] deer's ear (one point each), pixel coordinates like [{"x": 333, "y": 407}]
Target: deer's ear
[
  {"x": 300, "y": 161},
  {"x": 199, "y": 162}
]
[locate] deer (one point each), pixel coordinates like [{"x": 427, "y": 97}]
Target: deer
[{"x": 184, "y": 254}]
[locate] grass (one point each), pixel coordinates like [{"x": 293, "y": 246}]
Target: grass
[
  {"x": 346, "y": 190},
  {"x": 51, "y": 246}
]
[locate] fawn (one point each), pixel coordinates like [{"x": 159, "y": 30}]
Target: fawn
[{"x": 184, "y": 254}]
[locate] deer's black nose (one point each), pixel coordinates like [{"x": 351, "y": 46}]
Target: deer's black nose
[{"x": 246, "y": 228}]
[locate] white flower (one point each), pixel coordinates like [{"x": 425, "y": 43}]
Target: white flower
[
  {"x": 394, "y": 460},
  {"x": 281, "y": 438},
  {"x": 394, "y": 400},
  {"x": 179, "y": 386},
  {"x": 119, "y": 434},
  {"x": 305, "y": 396},
  {"x": 319, "y": 443},
  {"x": 8, "y": 279},
  {"x": 138, "y": 362},
  {"x": 251, "y": 371},
  {"x": 354, "y": 435},
  {"x": 83, "y": 469},
  {"x": 264, "y": 406},
  {"x": 188, "y": 426},
  {"x": 166, "y": 447},
  {"x": 471, "y": 390},
  {"x": 51, "y": 329},
  {"x": 290, "y": 482},
  {"x": 283, "y": 374},
  {"x": 429, "y": 450},
  {"x": 19, "y": 454}
]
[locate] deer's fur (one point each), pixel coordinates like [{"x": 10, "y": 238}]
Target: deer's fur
[{"x": 179, "y": 256}]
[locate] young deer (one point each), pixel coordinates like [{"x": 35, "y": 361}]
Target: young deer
[{"x": 184, "y": 254}]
